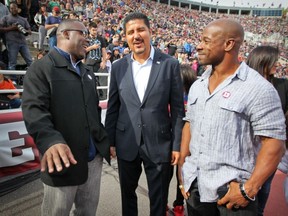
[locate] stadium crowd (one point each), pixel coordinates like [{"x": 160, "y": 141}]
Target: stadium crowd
[{"x": 175, "y": 30}]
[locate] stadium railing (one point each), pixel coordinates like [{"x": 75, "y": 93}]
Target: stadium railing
[{"x": 20, "y": 89}]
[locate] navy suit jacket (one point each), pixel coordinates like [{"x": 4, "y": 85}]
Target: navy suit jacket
[{"x": 158, "y": 119}]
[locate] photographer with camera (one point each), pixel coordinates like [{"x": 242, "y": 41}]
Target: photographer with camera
[{"x": 16, "y": 28}]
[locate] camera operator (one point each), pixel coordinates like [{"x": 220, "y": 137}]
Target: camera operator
[{"x": 16, "y": 28}]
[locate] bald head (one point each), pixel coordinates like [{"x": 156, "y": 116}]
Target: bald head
[
  {"x": 220, "y": 43},
  {"x": 67, "y": 24},
  {"x": 72, "y": 38},
  {"x": 229, "y": 28}
]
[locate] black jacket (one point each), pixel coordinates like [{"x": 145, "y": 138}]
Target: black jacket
[{"x": 59, "y": 106}]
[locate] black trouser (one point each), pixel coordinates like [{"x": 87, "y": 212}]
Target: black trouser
[
  {"x": 197, "y": 208},
  {"x": 157, "y": 176}
]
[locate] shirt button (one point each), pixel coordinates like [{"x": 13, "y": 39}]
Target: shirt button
[
  {"x": 139, "y": 125},
  {"x": 198, "y": 168},
  {"x": 202, "y": 135}
]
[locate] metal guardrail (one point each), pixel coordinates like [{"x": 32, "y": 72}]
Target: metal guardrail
[{"x": 18, "y": 72}]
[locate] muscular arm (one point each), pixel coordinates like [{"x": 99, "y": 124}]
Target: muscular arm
[
  {"x": 184, "y": 152},
  {"x": 267, "y": 161}
]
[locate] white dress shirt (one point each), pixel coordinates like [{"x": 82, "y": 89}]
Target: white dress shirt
[{"x": 141, "y": 73}]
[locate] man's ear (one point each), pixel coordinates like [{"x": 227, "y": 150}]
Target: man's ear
[
  {"x": 66, "y": 35},
  {"x": 229, "y": 44}
]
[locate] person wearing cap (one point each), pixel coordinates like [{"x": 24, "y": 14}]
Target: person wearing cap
[
  {"x": 51, "y": 25},
  {"x": 108, "y": 62},
  {"x": 52, "y": 4},
  {"x": 115, "y": 54}
]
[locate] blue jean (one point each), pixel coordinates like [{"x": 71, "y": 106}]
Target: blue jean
[
  {"x": 58, "y": 201},
  {"x": 15, "y": 103},
  {"x": 13, "y": 50},
  {"x": 52, "y": 41},
  {"x": 263, "y": 195}
]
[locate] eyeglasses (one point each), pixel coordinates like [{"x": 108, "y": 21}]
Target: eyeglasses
[{"x": 84, "y": 33}]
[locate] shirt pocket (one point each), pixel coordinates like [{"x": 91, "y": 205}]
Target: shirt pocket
[
  {"x": 191, "y": 108},
  {"x": 231, "y": 105}
]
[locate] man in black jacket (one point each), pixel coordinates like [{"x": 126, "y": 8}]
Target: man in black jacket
[{"x": 61, "y": 112}]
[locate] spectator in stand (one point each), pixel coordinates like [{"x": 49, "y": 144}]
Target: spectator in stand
[
  {"x": 89, "y": 11},
  {"x": 52, "y": 4},
  {"x": 33, "y": 8},
  {"x": 16, "y": 28},
  {"x": 96, "y": 51},
  {"x": 96, "y": 57},
  {"x": 8, "y": 100},
  {"x": 115, "y": 54},
  {"x": 40, "y": 19},
  {"x": 3, "y": 10},
  {"x": 115, "y": 43},
  {"x": 172, "y": 47},
  {"x": 121, "y": 47},
  {"x": 51, "y": 25},
  {"x": 73, "y": 15},
  {"x": 108, "y": 62},
  {"x": 68, "y": 7},
  {"x": 77, "y": 8},
  {"x": 22, "y": 8},
  {"x": 188, "y": 47}
]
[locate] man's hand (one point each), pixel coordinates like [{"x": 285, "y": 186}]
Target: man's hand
[
  {"x": 233, "y": 198},
  {"x": 181, "y": 187},
  {"x": 175, "y": 157},
  {"x": 54, "y": 155},
  {"x": 112, "y": 152}
]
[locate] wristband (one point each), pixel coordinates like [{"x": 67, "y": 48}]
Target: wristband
[{"x": 244, "y": 194}]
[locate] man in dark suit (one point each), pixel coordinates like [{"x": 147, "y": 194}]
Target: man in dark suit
[
  {"x": 62, "y": 114},
  {"x": 144, "y": 116}
]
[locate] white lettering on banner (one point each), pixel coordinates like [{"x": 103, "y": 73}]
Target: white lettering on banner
[{"x": 6, "y": 145}]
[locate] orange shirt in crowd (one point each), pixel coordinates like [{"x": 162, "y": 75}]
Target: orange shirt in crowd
[{"x": 7, "y": 84}]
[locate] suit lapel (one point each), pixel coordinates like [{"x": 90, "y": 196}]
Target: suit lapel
[{"x": 155, "y": 69}]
